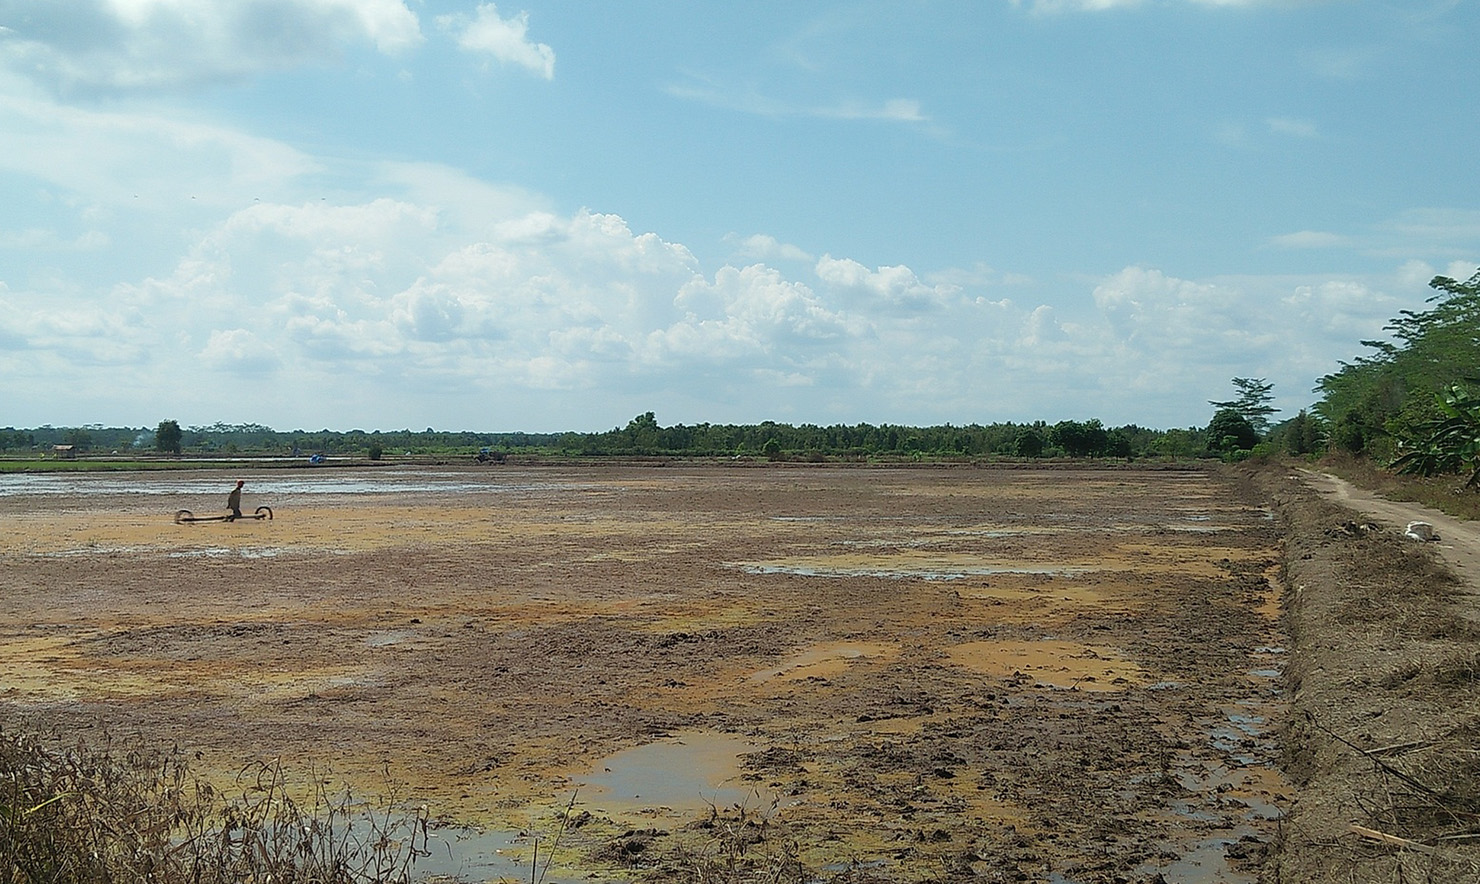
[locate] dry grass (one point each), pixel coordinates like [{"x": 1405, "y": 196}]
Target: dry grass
[
  {"x": 1383, "y": 685},
  {"x": 90, "y": 814},
  {"x": 1444, "y": 493}
]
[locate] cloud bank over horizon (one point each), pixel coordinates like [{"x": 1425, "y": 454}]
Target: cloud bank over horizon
[{"x": 186, "y": 242}]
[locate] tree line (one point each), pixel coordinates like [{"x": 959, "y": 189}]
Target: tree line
[
  {"x": 1414, "y": 401},
  {"x": 642, "y": 436}
]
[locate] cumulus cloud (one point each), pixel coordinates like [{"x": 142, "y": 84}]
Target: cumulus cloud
[
  {"x": 132, "y": 45},
  {"x": 762, "y": 247},
  {"x": 442, "y": 293},
  {"x": 504, "y": 39},
  {"x": 895, "y": 285}
]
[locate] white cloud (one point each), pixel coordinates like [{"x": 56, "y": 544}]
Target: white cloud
[
  {"x": 895, "y": 285},
  {"x": 893, "y": 110},
  {"x": 129, "y": 45},
  {"x": 140, "y": 160},
  {"x": 505, "y": 39},
  {"x": 760, "y": 247},
  {"x": 38, "y": 239},
  {"x": 1311, "y": 239},
  {"x": 1292, "y": 127},
  {"x": 1342, "y": 63},
  {"x": 901, "y": 110}
]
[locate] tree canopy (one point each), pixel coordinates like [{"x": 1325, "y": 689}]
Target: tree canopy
[
  {"x": 1393, "y": 392},
  {"x": 1252, "y": 402}
]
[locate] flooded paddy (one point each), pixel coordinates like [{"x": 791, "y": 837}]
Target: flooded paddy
[{"x": 1064, "y": 675}]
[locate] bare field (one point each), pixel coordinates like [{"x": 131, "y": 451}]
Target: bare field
[{"x": 911, "y": 673}]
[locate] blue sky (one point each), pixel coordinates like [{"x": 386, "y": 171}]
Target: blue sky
[{"x": 554, "y": 216}]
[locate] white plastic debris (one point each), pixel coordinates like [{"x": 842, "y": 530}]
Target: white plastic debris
[{"x": 1421, "y": 531}]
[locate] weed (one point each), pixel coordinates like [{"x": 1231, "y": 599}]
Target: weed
[{"x": 89, "y": 814}]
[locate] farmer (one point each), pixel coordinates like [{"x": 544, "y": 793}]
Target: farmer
[{"x": 234, "y": 501}]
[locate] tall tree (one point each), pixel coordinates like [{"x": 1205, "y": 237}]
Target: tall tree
[
  {"x": 167, "y": 437},
  {"x": 1231, "y": 431},
  {"x": 1393, "y": 390},
  {"x": 1252, "y": 402}
]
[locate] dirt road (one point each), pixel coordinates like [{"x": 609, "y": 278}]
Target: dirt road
[
  {"x": 1458, "y": 541},
  {"x": 1384, "y": 690}
]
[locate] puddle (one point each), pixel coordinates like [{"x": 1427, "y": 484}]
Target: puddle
[
  {"x": 218, "y": 552},
  {"x": 1206, "y": 862},
  {"x": 492, "y": 855},
  {"x": 1058, "y": 664},
  {"x": 687, "y": 771},
  {"x": 825, "y": 660},
  {"x": 907, "y": 571},
  {"x": 325, "y": 482}
]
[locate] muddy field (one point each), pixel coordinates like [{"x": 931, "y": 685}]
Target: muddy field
[{"x": 897, "y": 673}]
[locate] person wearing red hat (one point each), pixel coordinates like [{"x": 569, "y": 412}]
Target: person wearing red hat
[{"x": 234, "y": 502}]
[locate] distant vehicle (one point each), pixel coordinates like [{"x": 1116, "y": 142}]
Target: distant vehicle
[{"x": 488, "y": 455}]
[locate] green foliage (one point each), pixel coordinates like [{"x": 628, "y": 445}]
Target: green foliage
[
  {"x": 1230, "y": 431},
  {"x": 1029, "y": 443},
  {"x": 1252, "y": 402},
  {"x": 12, "y": 439},
  {"x": 167, "y": 437},
  {"x": 1390, "y": 392},
  {"x": 1080, "y": 439},
  {"x": 1449, "y": 443},
  {"x": 1301, "y": 435},
  {"x": 644, "y": 436}
]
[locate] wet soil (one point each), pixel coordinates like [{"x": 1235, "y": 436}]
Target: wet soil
[{"x": 944, "y": 673}]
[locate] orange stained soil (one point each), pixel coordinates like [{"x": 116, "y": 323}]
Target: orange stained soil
[{"x": 910, "y": 666}]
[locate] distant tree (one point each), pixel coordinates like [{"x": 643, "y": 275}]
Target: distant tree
[
  {"x": 167, "y": 437},
  {"x": 1029, "y": 443},
  {"x": 1231, "y": 431},
  {"x": 79, "y": 438},
  {"x": 1252, "y": 402},
  {"x": 772, "y": 449},
  {"x": 1301, "y": 434},
  {"x": 643, "y": 432},
  {"x": 1179, "y": 443},
  {"x": 375, "y": 451},
  {"x": 1080, "y": 439}
]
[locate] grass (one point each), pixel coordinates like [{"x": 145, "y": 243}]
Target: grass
[
  {"x": 1444, "y": 493},
  {"x": 94, "y": 814}
]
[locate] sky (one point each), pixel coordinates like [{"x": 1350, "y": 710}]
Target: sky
[{"x": 541, "y": 216}]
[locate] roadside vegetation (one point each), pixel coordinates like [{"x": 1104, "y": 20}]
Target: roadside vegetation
[{"x": 90, "y": 814}]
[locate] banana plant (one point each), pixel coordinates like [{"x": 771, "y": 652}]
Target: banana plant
[{"x": 1446, "y": 444}]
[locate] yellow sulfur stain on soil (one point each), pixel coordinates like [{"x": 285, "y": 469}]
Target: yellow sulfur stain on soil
[{"x": 1059, "y": 664}]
